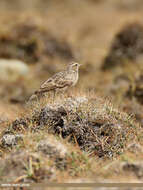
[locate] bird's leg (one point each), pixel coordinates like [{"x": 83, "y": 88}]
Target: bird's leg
[
  {"x": 69, "y": 94},
  {"x": 61, "y": 95},
  {"x": 54, "y": 94}
]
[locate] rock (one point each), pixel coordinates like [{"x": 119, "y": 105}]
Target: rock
[
  {"x": 55, "y": 150},
  {"x": 82, "y": 123},
  {"x": 135, "y": 148},
  {"x": 52, "y": 147},
  {"x": 10, "y": 140},
  {"x": 73, "y": 103},
  {"x": 32, "y": 42},
  {"x": 51, "y": 115},
  {"x": 127, "y": 46},
  {"x": 54, "y": 47},
  {"x": 85, "y": 122},
  {"x": 11, "y": 70},
  {"x": 135, "y": 167},
  {"x": 54, "y": 114},
  {"x": 16, "y": 164}
]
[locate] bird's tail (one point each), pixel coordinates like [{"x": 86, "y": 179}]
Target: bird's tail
[{"x": 35, "y": 96}]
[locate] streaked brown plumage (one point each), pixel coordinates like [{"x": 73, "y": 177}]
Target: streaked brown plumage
[{"x": 60, "y": 81}]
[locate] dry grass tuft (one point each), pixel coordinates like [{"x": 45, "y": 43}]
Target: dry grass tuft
[{"x": 67, "y": 135}]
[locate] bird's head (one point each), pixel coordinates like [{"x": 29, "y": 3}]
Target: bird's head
[{"x": 74, "y": 66}]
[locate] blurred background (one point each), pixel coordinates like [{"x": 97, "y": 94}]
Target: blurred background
[{"x": 40, "y": 37}]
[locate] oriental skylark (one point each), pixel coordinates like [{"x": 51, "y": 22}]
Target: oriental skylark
[{"x": 60, "y": 81}]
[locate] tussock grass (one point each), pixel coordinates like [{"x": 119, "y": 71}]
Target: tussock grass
[
  {"x": 74, "y": 137},
  {"x": 83, "y": 137}
]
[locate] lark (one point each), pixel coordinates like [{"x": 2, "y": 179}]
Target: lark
[{"x": 60, "y": 81}]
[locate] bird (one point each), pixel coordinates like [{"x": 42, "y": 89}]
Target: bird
[{"x": 61, "y": 81}]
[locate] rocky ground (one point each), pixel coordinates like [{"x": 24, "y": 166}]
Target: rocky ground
[{"x": 94, "y": 133}]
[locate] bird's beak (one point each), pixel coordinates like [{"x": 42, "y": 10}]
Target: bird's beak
[{"x": 80, "y": 64}]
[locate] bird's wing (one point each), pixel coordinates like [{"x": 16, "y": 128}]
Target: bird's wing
[{"x": 57, "y": 81}]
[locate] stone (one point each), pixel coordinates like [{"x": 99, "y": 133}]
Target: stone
[
  {"x": 11, "y": 70},
  {"x": 135, "y": 167},
  {"x": 52, "y": 147},
  {"x": 10, "y": 140}
]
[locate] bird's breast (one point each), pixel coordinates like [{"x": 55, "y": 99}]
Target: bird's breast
[{"x": 73, "y": 77}]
